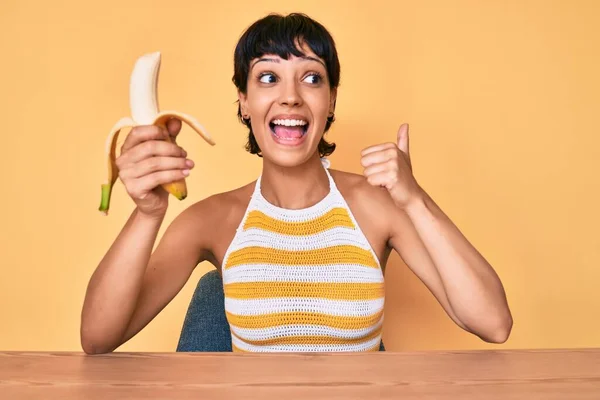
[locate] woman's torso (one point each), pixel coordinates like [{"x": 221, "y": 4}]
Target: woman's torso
[{"x": 304, "y": 280}]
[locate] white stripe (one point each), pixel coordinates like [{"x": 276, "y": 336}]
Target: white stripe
[
  {"x": 332, "y": 237},
  {"x": 303, "y": 330},
  {"x": 332, "y": 273},
  {"x": 307, "y": 347},
  {"x": 342, "y": 308},
  {"x": 332, "y": 200}
]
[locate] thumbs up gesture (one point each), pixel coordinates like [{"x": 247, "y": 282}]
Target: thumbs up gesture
[{"x": 389, "y": 165}]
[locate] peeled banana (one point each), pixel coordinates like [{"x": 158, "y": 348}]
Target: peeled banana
[{"x": 143, "y": 101}]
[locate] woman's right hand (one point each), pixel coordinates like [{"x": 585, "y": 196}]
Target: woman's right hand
[{"x": 147, "y": 161}]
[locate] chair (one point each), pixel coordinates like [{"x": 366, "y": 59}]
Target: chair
[{"x": 205, "y": 327}]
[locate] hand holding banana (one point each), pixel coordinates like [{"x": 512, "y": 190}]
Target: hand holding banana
[
  {"x": 389, "y": 165},
  {"x": 149, "y": 160},
  {"x": 149, "y": 157}
]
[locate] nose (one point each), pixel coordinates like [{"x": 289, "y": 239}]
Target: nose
[{"x": 290, "y": 96}]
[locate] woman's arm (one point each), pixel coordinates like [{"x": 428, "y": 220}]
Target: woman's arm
[
  {"x": 432, "y": 246},
  {"x": 131, "y": 285},
  {"x": 454, "y": 271}
]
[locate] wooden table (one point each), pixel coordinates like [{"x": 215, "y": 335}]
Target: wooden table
[{"x": 527, "y": 374}]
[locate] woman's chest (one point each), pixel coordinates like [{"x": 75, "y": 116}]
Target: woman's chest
[{"x": 344, "y": 236}]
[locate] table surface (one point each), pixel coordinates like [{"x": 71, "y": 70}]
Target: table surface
[{"x": 488, "y": 374}]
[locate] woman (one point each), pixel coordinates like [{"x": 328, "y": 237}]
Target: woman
[{"x": 302, "y": 249}]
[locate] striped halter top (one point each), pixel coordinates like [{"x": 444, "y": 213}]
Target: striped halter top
[{"x": 302, "y": 280}]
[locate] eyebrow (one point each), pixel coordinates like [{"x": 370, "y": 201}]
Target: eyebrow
[{"x": 277, "y": 60}]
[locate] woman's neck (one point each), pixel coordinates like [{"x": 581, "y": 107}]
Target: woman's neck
[{"x": 296, "y": 187}]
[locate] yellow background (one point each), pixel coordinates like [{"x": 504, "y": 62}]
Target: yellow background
[{"x": 500, "y": 96}]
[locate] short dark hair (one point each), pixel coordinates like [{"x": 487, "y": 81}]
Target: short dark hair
[{"x": 278, "y": 34}]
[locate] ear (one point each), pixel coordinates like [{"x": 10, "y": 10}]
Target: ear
[
  {"x": 243, "y": 102},
  {"x": 332, "y": 100}
]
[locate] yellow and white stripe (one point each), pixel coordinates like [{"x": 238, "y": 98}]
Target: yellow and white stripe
[
  {"x": 341, "y": 308},
  {"x": 302, "y": 280},
  {"x": 252, "y": 334},
  {"x": 336, "y": 236}
]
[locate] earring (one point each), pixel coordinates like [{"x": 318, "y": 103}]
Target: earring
[{"x": 331, "y": 117}]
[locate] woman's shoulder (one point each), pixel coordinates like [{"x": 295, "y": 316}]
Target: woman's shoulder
[
  {"x": 371, "y": 205},
  {"x": 355, "y": 187},
  {"x": 212, "y": 221},
  {"x": 224, "y": 204}
]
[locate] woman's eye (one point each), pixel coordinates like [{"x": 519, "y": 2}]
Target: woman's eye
[
  {"x": 267, "y": 78},
  {"x": 314, "y": 78}
]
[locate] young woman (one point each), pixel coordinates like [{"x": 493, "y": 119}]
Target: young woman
[{"x": 301, "y": 250}]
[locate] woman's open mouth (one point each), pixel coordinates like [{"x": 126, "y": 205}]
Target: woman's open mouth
[{"x": 290, "y": 132}]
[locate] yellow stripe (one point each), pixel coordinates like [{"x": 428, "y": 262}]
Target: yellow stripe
[
  {"x": 343, "y": 254},
  {"x": 333, "y": 291},
  {"x": 336, "y": 217},
  {"x": 311, "y": 339},
  {"x": 304, "y": 318}
]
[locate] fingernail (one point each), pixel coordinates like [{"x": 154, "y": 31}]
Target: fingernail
[
  {"x": 189, "y": 163},
  {"x": 186, "y": 172}
]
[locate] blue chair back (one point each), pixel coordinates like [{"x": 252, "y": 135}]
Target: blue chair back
[{"x": 205, "y": 327}]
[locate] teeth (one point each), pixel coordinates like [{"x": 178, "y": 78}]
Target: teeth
[{"x": 289, "y": 122}]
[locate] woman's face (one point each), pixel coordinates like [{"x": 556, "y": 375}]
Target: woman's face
[{"x": 288, "y": 102}]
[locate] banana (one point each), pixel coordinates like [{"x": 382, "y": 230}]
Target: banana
[{"x": 143, "y": 102}]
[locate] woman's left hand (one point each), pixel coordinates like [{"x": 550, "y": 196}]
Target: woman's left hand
[{"x": 389, "y": 165}]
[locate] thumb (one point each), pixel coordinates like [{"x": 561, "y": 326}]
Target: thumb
[
  {"x": 174, "y": 126},
  {"x": 403, "y": 139}
]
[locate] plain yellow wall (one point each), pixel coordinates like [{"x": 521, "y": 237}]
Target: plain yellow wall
[{"x": 502, "y": 98}]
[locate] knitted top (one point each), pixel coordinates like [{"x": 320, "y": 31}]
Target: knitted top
[{"x": 302, "y": 280}]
